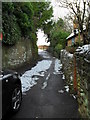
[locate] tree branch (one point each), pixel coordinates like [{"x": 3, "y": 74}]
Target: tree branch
[{"x": 84, "y": 5}]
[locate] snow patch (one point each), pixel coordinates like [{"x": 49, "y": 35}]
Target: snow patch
[
  {"x": 29, "y": 78},
  {"x": 55, "y": 73},
  {"x": 86, "y": 60},
  {"x": 43, "y": 53},
  {"x": 42, "y": 73},
  {"x": 63, "y": 77},
  {"x": 67, "y": 88},
  {"x": 71, "y": 77},
  {"x": 74, "y": 96},
  {"x": 83, "y": 49},
  {"x": 61, "y": 91},
  {"x": 44, "y": 85},
  {"x": 70, "y": 55},
  {"x": 48, "y": 76},
  {"x": 67, "y": 53},
  {"x": 57, "y": 67}
]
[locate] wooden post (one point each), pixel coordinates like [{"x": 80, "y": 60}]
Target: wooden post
[
  {"x": 1, "y": 36},
  {"x": 75, "y": 76}
]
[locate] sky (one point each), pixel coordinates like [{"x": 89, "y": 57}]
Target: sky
[
  {"x": 42, "y": 38},
  {"x": 58, "y": 13}
]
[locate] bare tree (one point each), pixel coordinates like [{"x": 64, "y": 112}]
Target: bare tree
[
  {"x": 80, "y": 9},
  {"x": 68, "y": 24}
]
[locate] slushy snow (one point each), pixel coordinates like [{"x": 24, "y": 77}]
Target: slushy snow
[{"x": 30, "y": 77}]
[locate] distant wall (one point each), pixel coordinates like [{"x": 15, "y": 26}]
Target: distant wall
[
  {"x": 78, "y": 68},
  {"x": 17, "y": 55},
  {"x": 43, "y": 47}
]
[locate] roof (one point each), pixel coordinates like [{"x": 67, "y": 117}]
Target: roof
[{"x": 72, "y": 35}]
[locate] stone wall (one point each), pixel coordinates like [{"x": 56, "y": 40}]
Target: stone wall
[
  {"x": 68, "y": 68},
  {"x": 83, "y": 80},
  {"x": 81, "y": 64},
  {"x": 17, "y": 55}
]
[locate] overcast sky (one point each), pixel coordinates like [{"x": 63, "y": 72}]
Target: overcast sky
[
  {"x": 58, "y": 12},
  {"x": 41, "y": 38}
]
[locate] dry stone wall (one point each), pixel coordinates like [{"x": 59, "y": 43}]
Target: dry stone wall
[
  {"x": 82, "y": 78},
  {"x": 68, "y": 67}
]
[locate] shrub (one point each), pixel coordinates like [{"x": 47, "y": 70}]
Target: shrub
[
  {"x": 11, "y": 30},
  {"x": 57, "y": 49},
  {"x": 71, "y": 49}
]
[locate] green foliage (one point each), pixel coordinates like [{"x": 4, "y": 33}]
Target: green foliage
[
  {"x": 7, "y": 7},
  {"x": 42, "y": 13},
  {"x": 17, "y": 21},
  {"x": 47, "y": 28},
  {"x": 60, "y": 23},
  {"x": 58, "y": 36},
  {"x": 24, "y": 14},
  {"x": 58, "y": 47},
  {"x": 11, "y": 31},
  {"x": 22, "y": 19}
]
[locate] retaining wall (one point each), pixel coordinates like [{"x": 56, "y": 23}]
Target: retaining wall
[{"x": 17, "y": 55}]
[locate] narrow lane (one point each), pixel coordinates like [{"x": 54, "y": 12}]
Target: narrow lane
[{"x": 48, "y": 98}]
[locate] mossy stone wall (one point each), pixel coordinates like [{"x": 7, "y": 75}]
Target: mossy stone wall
[{"x": 18, "y": 54}]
